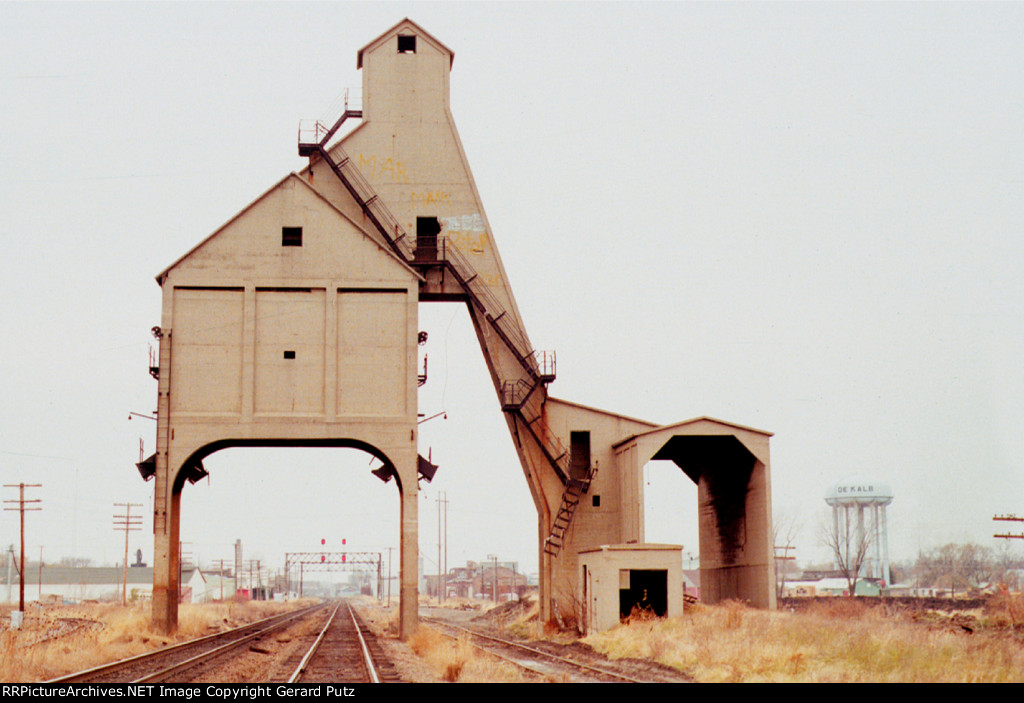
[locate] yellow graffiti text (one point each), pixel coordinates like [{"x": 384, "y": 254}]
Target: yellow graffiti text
[
  {"x": 468, "y": 242},
  {"x": 435, "y": 198},
  {"x": 381, "y": 169}
]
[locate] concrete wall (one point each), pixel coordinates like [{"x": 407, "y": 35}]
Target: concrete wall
[
  {"x": 599, "y": 593},
  {"x": 618, "y": 517},
  {"x": 730, "y": 465},
  {"x": 266, "y": 344}
]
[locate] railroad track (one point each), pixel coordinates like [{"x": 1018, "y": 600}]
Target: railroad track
[
  {"x": 345, "y": 651},
  {"x": 62, "y": 627},
  {"x": 178, "y": 662},
  {"x": 550, "y": 666}
]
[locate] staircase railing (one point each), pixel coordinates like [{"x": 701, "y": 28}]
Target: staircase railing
[
  {"x": 571, "y": 497},
  {"x": 373, "y": 207},
  {"x": 517, "y": 394},
  {"x": 504, "y": 324}
]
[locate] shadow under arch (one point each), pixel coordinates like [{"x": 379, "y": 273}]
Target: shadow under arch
[{"x": 192, "y": 469}]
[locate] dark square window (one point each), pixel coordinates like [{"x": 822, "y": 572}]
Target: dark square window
[
  {"x": 291, "y": 236},
  {"x": 406, "y": 45},
  {"x": 597, "y": 501},
  {"x": 289, "y": 355}
]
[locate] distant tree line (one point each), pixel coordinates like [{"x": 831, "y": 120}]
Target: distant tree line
[{"x": 961, "y": 567}]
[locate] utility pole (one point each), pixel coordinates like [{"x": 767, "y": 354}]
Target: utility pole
[
  {"x": 442, "y": 565},
  {"x": 128, "y": 523},
  {"x": 494, "y": 577},
  {"x": 21, "y": 509},
  {"x": 1008, "y": 518},
  {"x": 780, "y": 584},
  {"x": 446, "y": 544},
  {"x": 389, "y": 577}
]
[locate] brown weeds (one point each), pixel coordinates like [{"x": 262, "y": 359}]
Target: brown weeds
[
  {"x": 458, "y": 661},
  {"x": 843, "y": 641},
  {"x": 1006, "y": 610},
  {"x": 32, "y": 654}
]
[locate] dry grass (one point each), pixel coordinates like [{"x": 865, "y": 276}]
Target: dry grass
[
  {"x": 841, "y": 641},
  {"x": 123, "y": 631},
  {"x": 456, "y": 661},
  {"x": 1005, "y": 611}
]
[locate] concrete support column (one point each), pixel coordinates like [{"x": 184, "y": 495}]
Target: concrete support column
[
  {"x": 408, "y": 606},
  {"x": 545, "y": 598},
  {"x": 166, "y": 558}
]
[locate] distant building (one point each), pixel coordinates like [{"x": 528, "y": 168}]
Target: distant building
[
  {"x": 831, "y": 587},
  {"x": 75, "y": 584},
  {"x": 477, "y": 580}
]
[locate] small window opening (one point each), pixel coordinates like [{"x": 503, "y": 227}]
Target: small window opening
[
  {"x": 289, "y": 355},
  {"x": 596, "y": 501},
  {"x": 291, "y": 236},
  {"x": 406, "y": 45}
]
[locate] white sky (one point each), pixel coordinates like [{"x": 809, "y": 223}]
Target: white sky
[{"x": 806, "y": 218}]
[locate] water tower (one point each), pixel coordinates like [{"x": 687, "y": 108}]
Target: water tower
[{"x": 850, "y": 499}]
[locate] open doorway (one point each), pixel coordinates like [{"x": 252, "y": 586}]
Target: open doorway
[{"x": 643, "y": 591}]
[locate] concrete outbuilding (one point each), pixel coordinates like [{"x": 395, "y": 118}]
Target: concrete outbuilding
[{"x": 618, "y": 580}]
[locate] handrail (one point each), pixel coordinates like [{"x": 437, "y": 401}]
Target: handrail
[
  {"x": 488, "y": 304},
  {"x": 516, "y": 394},
  {"x": 363, "y": 192}
]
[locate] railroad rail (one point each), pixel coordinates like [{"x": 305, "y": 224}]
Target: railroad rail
[
  {"x": 345, "y": 651},
  {"x": 170, "y": 663},
  {"x": 543, "y": 663}
]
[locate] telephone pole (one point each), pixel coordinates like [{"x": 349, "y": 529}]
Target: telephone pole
[
  {"x": 442, "y": 565},
  {"x": 128, "y": 523},
  {"x": 21, "y": 509}
]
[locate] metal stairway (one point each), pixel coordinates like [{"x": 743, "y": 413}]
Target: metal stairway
[
  {"x": 522, "y": 395},
  {"x": 571, "y": 497}
]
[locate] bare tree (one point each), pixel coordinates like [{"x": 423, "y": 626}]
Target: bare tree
[
  {"x": 849, "y": 545},
  {"x": 957, "y": 566}
]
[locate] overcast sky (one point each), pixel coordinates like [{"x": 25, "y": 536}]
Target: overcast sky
[{"x": 805, "y": 218}]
